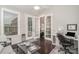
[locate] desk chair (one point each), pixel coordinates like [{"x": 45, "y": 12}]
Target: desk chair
[{"x": 65, "y": 43}]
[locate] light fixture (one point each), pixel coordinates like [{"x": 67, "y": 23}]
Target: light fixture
[{"x": 36, "y": 7}]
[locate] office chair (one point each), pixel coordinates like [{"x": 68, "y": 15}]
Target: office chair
[
  {"x": 42, "y": 36},
  {"x": 65, "y": 42}
]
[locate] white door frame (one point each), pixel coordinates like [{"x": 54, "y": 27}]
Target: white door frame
[
  {"x": 51, "y": 27},
  {"x": 45, "y": 15},
  {"x": 33, "y": 28}
]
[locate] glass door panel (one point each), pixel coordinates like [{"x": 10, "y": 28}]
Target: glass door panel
[
  {"x": 42, "y": 24},
  {"x": 29, "y": 26},
  {"x": 48, "y": 26}
]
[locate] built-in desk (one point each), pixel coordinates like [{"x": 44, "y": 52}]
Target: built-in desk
[
  {"x": 69, "y": 37},
  {"x": 74, "y": 40}
]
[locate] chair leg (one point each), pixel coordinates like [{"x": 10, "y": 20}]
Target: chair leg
[{"x": 66, "y": 50}]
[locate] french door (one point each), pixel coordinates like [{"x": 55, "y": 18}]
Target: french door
[{"x": 46, "y": 26}]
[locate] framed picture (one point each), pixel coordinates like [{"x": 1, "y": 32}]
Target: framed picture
[{"x": 72, "y": 27}]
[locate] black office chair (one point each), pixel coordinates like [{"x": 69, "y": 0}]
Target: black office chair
[
  {"x": 65, "y": 42},
  {"x": 42, "y": 36}
]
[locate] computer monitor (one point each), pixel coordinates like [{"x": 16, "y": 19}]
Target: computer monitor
[{"x": 72, "y": 34}]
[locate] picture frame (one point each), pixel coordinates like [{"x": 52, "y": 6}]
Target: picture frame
[{"x": 72, "y": 27}]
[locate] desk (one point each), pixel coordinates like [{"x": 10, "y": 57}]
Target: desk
[
  {"x": 74, "y": 40},
  {"x": 73, "y": 47},
  {"x": 69, "y": 37}
]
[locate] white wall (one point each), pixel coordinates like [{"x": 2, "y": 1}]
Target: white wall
[
  {"x": 0, "y": 22},
  {"x": 63, "y": 15}
]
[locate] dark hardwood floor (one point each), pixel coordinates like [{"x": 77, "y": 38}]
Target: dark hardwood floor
[{"x": 46, "y": 46}]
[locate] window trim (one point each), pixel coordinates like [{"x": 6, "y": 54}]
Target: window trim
[{"x": 2, "y": 20}]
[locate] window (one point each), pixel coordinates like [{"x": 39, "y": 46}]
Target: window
[
  {"x": 29, "y": 26},
  {"x": 42, "y": 24},
  {"x": 10, "y": 23},
  {"x": 48, "y": 26}
]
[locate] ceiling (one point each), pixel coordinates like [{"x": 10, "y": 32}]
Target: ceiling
[{"x": 28, "y": 8}]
